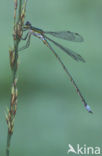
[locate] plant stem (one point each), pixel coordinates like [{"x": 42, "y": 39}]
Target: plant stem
[{"x": 17, "y": 34}]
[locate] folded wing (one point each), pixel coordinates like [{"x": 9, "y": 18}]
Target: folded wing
[
  {"x": 71, "y": 53},
  {"x": 66, "y": 35}
]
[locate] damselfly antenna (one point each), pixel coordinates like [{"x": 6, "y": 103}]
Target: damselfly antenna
[{"x": 66, "y": 35}]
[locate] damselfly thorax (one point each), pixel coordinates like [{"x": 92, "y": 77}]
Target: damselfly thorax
[{"x": 36, "y": 34}]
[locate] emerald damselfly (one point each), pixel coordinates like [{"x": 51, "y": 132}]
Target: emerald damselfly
[{"x": 65, "y": 35}]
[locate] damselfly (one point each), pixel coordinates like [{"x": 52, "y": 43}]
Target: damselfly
[{"x": 66, "y": 35}]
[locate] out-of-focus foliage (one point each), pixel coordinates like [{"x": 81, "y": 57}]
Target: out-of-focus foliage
[{"x": 50, "y": 114}]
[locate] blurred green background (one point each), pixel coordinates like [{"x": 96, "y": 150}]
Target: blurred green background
[{"x": 50, "y": 114}]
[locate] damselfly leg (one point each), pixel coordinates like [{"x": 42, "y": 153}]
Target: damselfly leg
[{"x": 27, "y": 37}]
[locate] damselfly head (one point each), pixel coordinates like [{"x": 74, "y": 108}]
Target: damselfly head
[{"x": 27, "y": 25}]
